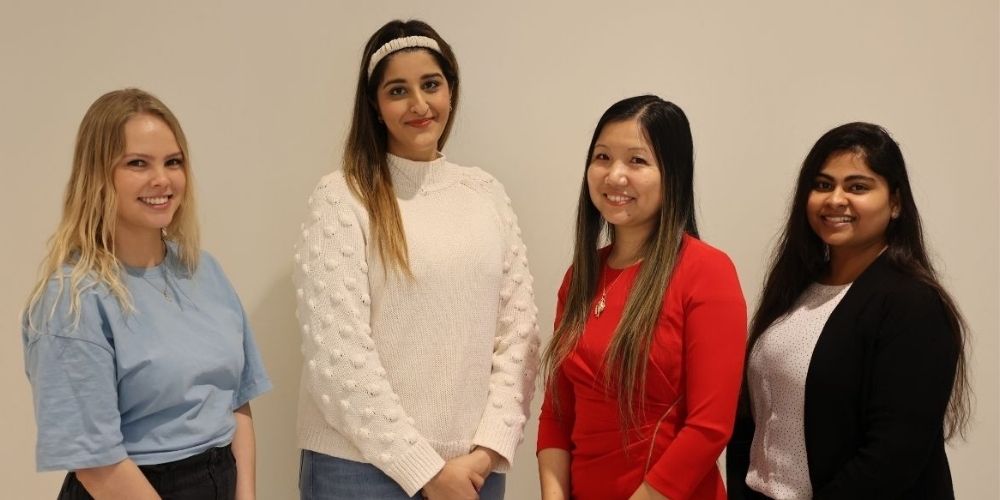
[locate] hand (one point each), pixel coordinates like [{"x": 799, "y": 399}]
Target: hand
[
  {"x": 480, "y": 460},
  {"x": 646, "y": 492},
  {"x": 455, "y": 481}
]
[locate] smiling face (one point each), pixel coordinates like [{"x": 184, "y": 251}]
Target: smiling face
[
  {"x": 850, "y": 206},
  {"x": 414, "y": 102},
  {"x": 624, "y": 178},
  {"x": 149, "y": 179}
]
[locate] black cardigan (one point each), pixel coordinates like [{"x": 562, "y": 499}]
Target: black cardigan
[{"x": 876, "y": 393}]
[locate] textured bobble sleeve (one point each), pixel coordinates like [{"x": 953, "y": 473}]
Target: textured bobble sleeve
[
  {"x": 343, "y": 372},
  {"x": 515, "y": 348}
]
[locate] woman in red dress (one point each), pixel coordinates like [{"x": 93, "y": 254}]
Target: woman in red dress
[{"x": 644, "y": 367}]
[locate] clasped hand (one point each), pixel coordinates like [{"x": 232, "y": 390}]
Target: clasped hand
[{"x": 462, "y": 477}]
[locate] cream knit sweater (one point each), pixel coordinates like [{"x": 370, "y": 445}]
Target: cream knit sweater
[{"x": 407, "y": 373}]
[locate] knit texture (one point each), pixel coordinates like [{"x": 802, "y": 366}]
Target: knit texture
[{"x": 407, "y": 373}]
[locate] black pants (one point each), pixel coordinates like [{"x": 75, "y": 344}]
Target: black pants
[{"x": 210, "y": 475}]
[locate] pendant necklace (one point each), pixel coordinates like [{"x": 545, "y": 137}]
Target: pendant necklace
[
  {"x": 602, "y": 302},
  {"x": 158, "y": 289}
]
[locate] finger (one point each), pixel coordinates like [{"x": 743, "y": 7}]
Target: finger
[{"x": 477, "y": 480}]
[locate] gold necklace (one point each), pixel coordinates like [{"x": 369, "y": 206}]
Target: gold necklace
[{"x": 602, "y": 303}]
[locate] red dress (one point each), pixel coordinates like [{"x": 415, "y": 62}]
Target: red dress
[{"x": 696, "y": 361}]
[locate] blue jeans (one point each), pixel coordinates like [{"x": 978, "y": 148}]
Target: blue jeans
[{"x": 322, "y": 477}]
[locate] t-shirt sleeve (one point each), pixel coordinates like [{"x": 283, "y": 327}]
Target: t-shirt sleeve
[
  {"x": 71, "y": 368},
  {"x": 254, "y": 380}
]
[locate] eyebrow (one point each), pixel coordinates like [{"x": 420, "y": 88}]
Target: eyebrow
[
  {"x": 403, "y": 80},
  {"x": 849, "y": 178},
  {"x": 148, "y": 157},
  {"x": 640, "y": 149}
]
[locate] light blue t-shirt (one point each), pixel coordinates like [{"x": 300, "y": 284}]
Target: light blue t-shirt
[{"x": 157, "y": 385}]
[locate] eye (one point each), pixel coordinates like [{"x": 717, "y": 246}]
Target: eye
[
  {"x": 859, "y": 188},
  {"x": 432, "y": 85},
  {"x": 822, "y": 185},
  {"x": 600, "y": 157},
  {"x": 638, "y": 160},
  {"x": 396, "y": 91},
  {"x": 175, "y": 162},
  {"x": 135, "y": 162}
]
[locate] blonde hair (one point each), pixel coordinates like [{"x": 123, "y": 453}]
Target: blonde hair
[{"x": 84, "y": 238}]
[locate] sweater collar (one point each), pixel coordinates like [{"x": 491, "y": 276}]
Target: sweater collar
[{"x": 423, "y": 176}]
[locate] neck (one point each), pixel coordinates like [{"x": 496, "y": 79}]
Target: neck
[
  {"x": 416, "y": 155},
  {"x": 846, "y": 264},
  {"x": 139, "y": 250},
  {"x": 628, "y": 248}
]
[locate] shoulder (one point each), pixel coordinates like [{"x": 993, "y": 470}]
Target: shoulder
[
  {"x": 54, "y": 313},
  {"x": 480, "y": 180},
  {"x": 333, "y": 199},
  {"x": 333, "y": 187},
  {"x": 699, "y": 257},
  {"x": 896, "y": 286}
]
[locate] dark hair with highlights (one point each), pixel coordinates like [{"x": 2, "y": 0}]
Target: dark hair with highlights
[
  {"x": 365, "y": 165},
  {"x": 669, "y": 135}
]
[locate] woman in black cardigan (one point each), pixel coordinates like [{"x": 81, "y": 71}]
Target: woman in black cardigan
[{"x": 856, "y": 367}]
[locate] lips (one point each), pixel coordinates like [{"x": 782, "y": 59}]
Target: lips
[
  {"x": 421, "y": 123},
  {"x": 837, "y": 220},
  {"x": 618, "y": 199},
  {"x": 156, "y": 201}
]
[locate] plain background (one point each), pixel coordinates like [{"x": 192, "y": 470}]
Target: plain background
[{"x": 264, "y": 93}]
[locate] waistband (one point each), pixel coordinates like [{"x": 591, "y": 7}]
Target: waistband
[{"x": 209, "y": 457}]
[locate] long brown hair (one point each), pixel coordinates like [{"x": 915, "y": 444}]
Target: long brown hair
[
  {"x": 799, "y": 258},
  {"x": 366, "y": 167},
  {"x": 85, "y": 236},
  {"x": 669, "y": 134}
]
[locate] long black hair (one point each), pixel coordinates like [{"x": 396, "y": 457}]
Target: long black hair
[{"x": 800, "y": 257}]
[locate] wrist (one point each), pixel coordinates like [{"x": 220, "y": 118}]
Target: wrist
[{"x": 492, "y": 458}]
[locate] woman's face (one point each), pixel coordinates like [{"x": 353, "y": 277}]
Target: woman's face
[
  {"x": 624, "y": 178},
  {"x": 414, "y": 102},
  {"x": 850, "y": 206},
  {"x": 150, "y": 178}
]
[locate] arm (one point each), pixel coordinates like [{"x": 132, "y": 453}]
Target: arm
[
  {"x": 553, "y": 473},
  {"x": 738, "y": 450},
  {"x": 515, "y": 351},
  {"x": 555, "y": 426},
  {"x": 344, "y": 374},
  {"x": 244, "y": 450},
  {"x": 912, "y": 374},
  {"x": 714, "y": 339},
  {"x": 71, "y": 367},
  {"x": 120, "y": 481}
]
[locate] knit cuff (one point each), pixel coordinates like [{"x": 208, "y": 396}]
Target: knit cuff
[
  {"x": 496, "y": 434},
  {"x": 413, "y": 470}
]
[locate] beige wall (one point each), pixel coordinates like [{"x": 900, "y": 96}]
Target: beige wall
[{"x": 264, "y": 94}]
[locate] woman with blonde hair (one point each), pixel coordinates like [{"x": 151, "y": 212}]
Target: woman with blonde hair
[
  {"x": 414, "y": 298},
  {"x": 138, "y": 351}
]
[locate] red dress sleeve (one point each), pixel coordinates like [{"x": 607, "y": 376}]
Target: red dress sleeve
[
  {"x": 714, "y": 339},
  {"x": 555, "y": 426}
]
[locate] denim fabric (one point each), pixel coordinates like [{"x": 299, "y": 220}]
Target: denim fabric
[
  {"x": 210, "y": 475},
  {"x": 322, "y": 477}
]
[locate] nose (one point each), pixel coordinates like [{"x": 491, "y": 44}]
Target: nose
[
  {"x": 419, "y": 105},
  {"x": 616, "y": 175},
  {"x": 837, "y": 198},
  {"x": 159, "y": 176}
]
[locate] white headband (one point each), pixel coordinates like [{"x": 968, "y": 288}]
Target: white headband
[{"x": 400, "y": 44}]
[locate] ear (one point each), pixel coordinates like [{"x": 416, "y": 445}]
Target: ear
[{"x": 894, "y": 205}]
